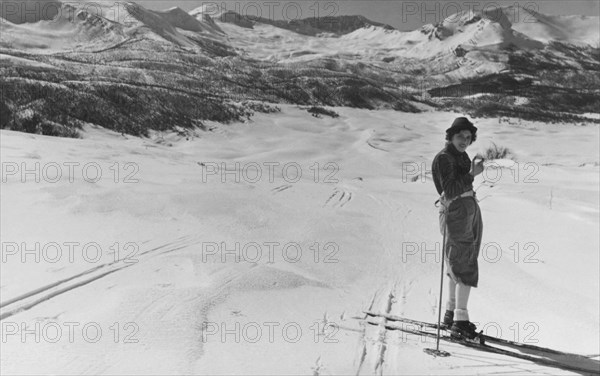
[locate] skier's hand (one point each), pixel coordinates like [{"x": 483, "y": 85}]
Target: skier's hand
[{"x": 477, "y": 166}]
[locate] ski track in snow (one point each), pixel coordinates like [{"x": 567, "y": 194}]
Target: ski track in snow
[
  {"x": 338, "y": 198},
  {"x": 33, "y": 298},
  {"x": 375, "y": 358},
  {"x": 281, "y": 188}
]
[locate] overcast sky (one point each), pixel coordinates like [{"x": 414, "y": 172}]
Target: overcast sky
[{"x": 403, "y": 15}]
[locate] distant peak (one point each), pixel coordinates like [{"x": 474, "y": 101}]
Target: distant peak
[
  {"x": 213, "y": 10},
  {"x": 174, "y": 10},
  {"x": 468, "y": 17}
]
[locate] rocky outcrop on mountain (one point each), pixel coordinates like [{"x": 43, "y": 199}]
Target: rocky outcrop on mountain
[
  {"x": 338, "y": 25},
  {"x": 179, "y": 18}
]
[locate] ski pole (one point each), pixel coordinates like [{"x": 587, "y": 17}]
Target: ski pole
[
  {"x": 437, "y": 348},
  {"x": 437, "y": 351}
]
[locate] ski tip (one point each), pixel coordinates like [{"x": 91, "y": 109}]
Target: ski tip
[{"x": 436, "y": 352}]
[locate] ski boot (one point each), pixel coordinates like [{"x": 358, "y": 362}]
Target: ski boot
[
  {"x": 465, "y": 330},
  {"x": 448, "y": 319}
]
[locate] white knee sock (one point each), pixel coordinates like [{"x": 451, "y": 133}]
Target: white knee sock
[{"x": 451, "y": 302}]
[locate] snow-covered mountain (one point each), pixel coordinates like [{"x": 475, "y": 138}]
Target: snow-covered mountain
[
  {"x": 465, "y": 31},
  {"x": 72, "y": 28},
  {"x": 91, "y": 26},
  {"x": 580, "y": 30},
  {"x": 194, "y": 66}
]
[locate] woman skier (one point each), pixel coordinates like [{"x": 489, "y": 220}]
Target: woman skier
[{"x": 453, "y": 174}]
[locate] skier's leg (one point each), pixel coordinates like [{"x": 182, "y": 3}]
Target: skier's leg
[
  {"x": 463, "y": 249},
  {"x": 451, "y": 302},
  {"x": 477, "y": 229},
  {"x": 462, "y": 299},
  {"x": 462, "y": 326}
]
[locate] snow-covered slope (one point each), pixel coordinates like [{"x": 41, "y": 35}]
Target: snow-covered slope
[{"x": 168, "y": 302}]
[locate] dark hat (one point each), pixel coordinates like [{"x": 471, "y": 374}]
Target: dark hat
[{"x": 460, "y": 124}]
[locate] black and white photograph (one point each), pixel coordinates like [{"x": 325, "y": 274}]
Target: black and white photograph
[{"x": 308, "y": 187}]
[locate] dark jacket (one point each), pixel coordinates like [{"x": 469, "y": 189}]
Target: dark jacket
[{"x": 450, "y": 172}]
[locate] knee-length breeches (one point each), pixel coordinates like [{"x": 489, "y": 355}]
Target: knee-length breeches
[{"x": 463, "y": 239}]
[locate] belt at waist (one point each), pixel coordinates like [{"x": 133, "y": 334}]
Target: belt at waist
[
  {"x": 466, "y": 194},
  {"x": 445, "y": 202}
]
